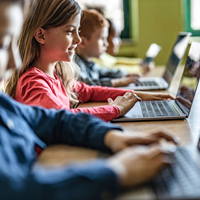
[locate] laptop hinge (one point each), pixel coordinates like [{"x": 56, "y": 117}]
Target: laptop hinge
[{"x": 182, "y": 108}]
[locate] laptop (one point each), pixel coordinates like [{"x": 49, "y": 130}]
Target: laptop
[
  {"x": 171, "y": 109},
  {"x": 151, "y": 53},
  {"x": 161, "y": 83},
  {"x": 181, "y": 180}
]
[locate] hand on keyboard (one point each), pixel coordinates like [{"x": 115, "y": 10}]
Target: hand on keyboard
[
  {"x": 117, "y": 141},
  {"x": 124, "y": 103},
  {"x": 136, "y": 165}
]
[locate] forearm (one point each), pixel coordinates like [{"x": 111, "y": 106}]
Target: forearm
[
  {"x": 91, "y": 180},
  {"x": 106, "y": 113},
  {"x": 73, "y": 129},
  {"x": 141, "y": 94},
  {"x": 116, "y": 82},
  {"x": 97, "y": 93},
  {"x": 64, "y": 127}
]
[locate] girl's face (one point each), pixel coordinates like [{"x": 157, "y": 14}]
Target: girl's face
[
  {"x": 60, "y": 42},
  {"x": 11, "y": 20},
  {"x": 114, "y": 42}
]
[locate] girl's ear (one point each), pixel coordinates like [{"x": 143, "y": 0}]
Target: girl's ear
[{"x": 39, "y": 35}]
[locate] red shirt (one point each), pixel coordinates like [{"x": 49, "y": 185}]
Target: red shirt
[{"x": 37, "y": 88}]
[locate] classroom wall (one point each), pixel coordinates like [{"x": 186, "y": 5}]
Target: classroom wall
[{"x": 156, "y": 21}]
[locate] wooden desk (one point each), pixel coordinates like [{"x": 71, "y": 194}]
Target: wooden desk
[{"x": 188, "y": 130}]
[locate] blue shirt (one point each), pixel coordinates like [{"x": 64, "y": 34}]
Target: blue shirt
[{"x": 22, "y": 127}]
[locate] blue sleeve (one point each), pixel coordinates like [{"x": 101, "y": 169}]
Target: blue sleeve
[
  {"x": 64, "y": 127},
  {"x": 85, "y": 181}
]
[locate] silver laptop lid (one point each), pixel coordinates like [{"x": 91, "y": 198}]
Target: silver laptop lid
[
  {"x": 176, "y": 55},
  {"x": 190, "y": 79},
  {"x": 152, "y": 52}
]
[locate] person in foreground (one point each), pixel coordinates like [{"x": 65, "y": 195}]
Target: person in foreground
[
  {"x": 23, "y": 127},
  {"x": 47, "y": 46}
]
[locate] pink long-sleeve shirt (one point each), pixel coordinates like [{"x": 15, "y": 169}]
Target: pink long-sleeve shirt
[{"x": 37, "y": 88}]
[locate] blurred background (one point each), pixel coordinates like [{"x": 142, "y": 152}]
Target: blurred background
[{"x": 142, "y": 22}]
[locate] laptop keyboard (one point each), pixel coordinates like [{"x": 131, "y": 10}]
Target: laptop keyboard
[
  {"x": 147, "y": 83},
  {"x": 181, "y": 179},
  {"x": 158, "y": 109}
]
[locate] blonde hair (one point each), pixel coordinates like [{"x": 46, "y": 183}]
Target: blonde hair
[{"x": 46, "y": 14}]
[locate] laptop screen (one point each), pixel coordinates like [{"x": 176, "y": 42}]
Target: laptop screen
[
  {"x": 190, "y": 78},
  {"x": 176, "y": 55},
  {"x": 152, "y": 52}
]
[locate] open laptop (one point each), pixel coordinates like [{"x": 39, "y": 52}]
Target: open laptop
[
  {"x": 181, "y": 180},
  {"x": 171, "y": 109},
  {"x": 161, "y": 83},
  {"x": 151, "y": 53}
]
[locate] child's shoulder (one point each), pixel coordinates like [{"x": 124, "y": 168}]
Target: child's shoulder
[{"x": 35, "y": 74}]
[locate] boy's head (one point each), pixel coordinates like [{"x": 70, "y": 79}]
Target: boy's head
[{"x": 94, "y": 33}]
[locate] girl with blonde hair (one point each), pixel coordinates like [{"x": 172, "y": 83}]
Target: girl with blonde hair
[{"x": 47, "y": 78}]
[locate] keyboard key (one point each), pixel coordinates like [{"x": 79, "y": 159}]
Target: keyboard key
[
  {"x": 150, "y": 109},
  {"x": 156, "y": 109},
  {"x": 162, "y": 109},
  {"x": 169, "y": 109}
]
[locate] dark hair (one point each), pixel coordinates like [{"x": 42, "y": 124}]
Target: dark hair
[{"x": 111, "y": 26}]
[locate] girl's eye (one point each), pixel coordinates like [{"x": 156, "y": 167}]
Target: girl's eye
[{"x": 70, "y": 31}]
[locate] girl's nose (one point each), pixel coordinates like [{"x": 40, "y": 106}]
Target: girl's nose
[{"x": 77, "y": 39}]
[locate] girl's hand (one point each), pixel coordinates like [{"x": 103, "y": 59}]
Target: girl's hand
[
  {"x": 117, "y": 141},
  {"x": 148, "y": 96},
  {"x": 124, "y": 103}
]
